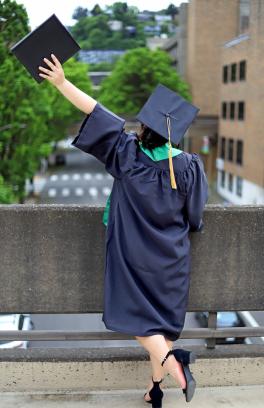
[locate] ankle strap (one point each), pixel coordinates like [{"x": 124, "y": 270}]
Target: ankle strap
[
  {"x": 167, "y": 355},
  {"x": 157, "y": 382}
]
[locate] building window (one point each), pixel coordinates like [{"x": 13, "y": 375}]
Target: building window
[
  {"x": 230, "y": 182},
  {"x": 244, "y": 15},
  {"x": 222, "y": 151},
  {"x": 230, "y": 149},
  {"x": 239, "y": 152},
  {"x": 225, "y": 73},
  {"x": 242, "y": 70},
  {"x": 244, "y": 23},
  {"x": 222, "y": 181},
  {"x": 239, "y": 186},
  {"x": 232, "y": 110},
  {"x": 241, "y": 110},
  {"x": 224, "y": 110},
  {"x": 233, "y": 72}
]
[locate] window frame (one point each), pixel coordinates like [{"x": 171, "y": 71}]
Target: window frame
[
  {"x": 242, "y": 77},
  {"x": 230, "y": 149},
  {"x": 239, "y": 186},
  {"x": 225, "y": 75},
  {"x": 223, "y": 148},
  {"x": 224, "y": 110},
  {"x": 230, "y": 182},
  {"x": 239, "y": 115},
  {"x": 239, "y": 157},
  {"x": 222, "y": 178},
  {"x": 233, "y": 76},
  {"x": 232, "y": 105}
]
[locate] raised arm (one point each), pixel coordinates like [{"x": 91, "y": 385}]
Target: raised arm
[{"x": 56, "y": 76}]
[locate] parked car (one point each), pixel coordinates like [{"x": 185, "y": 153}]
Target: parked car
[
  {"x": 224, "y": 319},
  {"x": 58, "y": 155},
  {"x": 15, "y": 322},
  {"x": 60, "y": 159}
]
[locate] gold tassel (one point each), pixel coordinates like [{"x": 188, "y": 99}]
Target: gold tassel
[{"x": 172, "y": 175}]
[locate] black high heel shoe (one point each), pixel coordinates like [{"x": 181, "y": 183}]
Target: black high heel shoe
[
  {"x": 156, "y": 395},
  {"x": 184, "y": 357}
]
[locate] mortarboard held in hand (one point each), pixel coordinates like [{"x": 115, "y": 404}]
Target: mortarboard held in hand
[
  {"x": 170, "y": 115},
  {"x": 49, "y": 37}
]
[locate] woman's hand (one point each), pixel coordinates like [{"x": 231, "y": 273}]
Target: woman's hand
[{"x": 55, "y": 74}]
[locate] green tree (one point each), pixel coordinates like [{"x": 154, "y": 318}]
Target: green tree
[
  {"x": 96, "y": 10},
  {"x": 62, "y": 111},
  {"x": 172, "y": 10},
  {"x": 87, "y": 30},
  {"x": 79, "y": 13},
  {"x": 119, "y": 10},
  {"x": 164, "y": 28},
  {"x": 6, "y": 195},
  {"x": 32, "y": 115},
  {"x": 14, "y": 107},
  {"x": 135, "y": 76},
  {"x": 123, "y": 12},
  {"x": 93, "y": 32}
]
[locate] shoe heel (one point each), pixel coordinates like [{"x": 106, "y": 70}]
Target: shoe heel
[
  {"x": 156, "y": 397},
  {"x": 156, "y": 394},
  {"x": 192, "y": 357},
  {"x": 184, "y": 356},
  {"x": 190, "y": 383}
]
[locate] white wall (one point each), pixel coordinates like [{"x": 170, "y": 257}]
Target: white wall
[{"x": 251, "y": 193}]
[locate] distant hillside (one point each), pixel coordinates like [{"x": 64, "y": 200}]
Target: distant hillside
[{"x": 121, "y": 27}]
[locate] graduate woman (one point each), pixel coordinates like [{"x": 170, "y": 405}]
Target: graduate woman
[{"x": 158, "y": 196}]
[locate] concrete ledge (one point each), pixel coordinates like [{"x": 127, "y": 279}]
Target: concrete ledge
[
  {"x": 50, "y": 251},
  {"x": 235, "y": 397},
  {"x": 119, "y": 369},
  {"x": 114, "y": 354}
]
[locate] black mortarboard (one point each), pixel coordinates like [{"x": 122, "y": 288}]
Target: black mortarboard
[
  {"x": 49, "y": 37},
  {"x": 170, "y": 115}
]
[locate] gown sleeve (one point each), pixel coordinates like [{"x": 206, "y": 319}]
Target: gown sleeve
[
  {"x": 102, "y": 135},
  {"x": 197, "y": 193}
]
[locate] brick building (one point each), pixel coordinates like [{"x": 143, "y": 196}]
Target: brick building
[
  {"x": 240, "y": 163},
  {"x": 219, "y": 51},
  {"x": 204, "y": 26}
]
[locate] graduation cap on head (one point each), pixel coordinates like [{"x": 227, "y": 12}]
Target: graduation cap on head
[
  {"x": 49, "y": 37},
  {"x": 170, "y": 115}
]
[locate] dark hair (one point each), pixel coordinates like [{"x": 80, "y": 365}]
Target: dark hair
[{"x": 151, "y": 139}]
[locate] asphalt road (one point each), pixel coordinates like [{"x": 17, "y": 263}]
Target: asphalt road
[{"x": 83, "y": 180}]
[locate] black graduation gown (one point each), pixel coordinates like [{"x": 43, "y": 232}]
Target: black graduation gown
[{"x": 147, "y": 247}]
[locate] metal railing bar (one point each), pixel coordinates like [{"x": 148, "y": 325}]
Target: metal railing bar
[
  {"x": 196, "y": 333},
  {"x": 211, "y": 324}
]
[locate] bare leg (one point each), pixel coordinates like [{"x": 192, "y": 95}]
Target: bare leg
[
  {"x": 157, "y": 346},
  {"x": 158, "y": 371}
]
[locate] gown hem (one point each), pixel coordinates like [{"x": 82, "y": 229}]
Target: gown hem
[{"x": 172, "y": 338}]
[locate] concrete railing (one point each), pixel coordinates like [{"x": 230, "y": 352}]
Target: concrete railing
[{"x": 52, "y": 258}]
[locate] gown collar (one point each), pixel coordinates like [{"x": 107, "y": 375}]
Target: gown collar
[
  {"x": 160, "y": 152},
  {"x": 158, "y": 157}
]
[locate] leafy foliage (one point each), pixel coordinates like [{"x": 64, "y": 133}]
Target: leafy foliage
[
  {"x": 32, "y": 115},
  {"x": 172, "y": 10},
  {"x": 135, "y": 76},
  {"x": 102, "y": 66},
  {"x": 94, "y": 32},
  {"x": 80, "y": 12}
]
